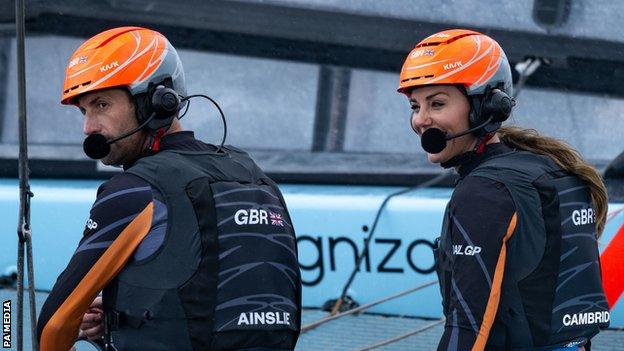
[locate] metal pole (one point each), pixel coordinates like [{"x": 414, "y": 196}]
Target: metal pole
[
  {"x": 23, "y": 226},
  {"x": 20, "y": 292}
]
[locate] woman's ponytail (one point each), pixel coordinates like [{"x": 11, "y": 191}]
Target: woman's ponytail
[{"x": 567, "y": 158}]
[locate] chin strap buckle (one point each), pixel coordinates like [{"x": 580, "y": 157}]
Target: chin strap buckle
[
  {"x": 155, "y": 137},
  {"x": 481, "y": 144}
]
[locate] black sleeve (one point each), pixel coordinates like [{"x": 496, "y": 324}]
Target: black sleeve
[
  {"x": 482, "y": 219},
  {"x": 118, "y": 202}
]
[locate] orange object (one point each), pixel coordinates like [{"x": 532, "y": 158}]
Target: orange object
[
  {"x": 612, "y": 265},
  {"x": 495, "y": 294},
  {"x": 59, "y": 333},
  {"x": 457, "y": 56},
  {"x": 129, "y": 57}
]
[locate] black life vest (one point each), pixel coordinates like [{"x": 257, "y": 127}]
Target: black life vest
[
  {"x": 227, "y": 275},
  {"x": 552, "y": 292}
]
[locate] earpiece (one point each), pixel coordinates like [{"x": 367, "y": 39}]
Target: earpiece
[
  {"x": 165, "y": 102},
  {"x": 495, "y": 104},
  {"x": 160, "y": 104}
]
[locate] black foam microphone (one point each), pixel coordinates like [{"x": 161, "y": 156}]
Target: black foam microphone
[
  {"x": 433, "y": 140},
  {"x": 96, "y": 146}
]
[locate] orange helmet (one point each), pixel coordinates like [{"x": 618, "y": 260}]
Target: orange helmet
[
  {"x": 457, "y": 56},
  {"x": 130, "y": 57}
]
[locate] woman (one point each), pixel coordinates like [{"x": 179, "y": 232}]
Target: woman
[{"x": 517, "y": 259}]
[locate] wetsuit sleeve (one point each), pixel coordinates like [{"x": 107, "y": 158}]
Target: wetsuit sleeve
[
  {"x": 482, "y": 219},
  {"x": 120, "y": 217}
]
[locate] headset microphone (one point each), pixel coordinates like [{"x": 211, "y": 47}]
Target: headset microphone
[
  {"x": 496, "y": 104},
  {"x": 433, "y": 140},
  {"x": 96, "y": 146},
  {"x": 165, "y": 103}
]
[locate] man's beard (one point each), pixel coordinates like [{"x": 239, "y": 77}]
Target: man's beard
[{"x": 124, "y": 151}]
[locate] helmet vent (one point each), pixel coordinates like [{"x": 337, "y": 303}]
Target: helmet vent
[
  {"x": 76, "y": 87},
  {"x": 459, "y": 37},
  {"x": 130, "y": 29},
  {"x": 450, "y": 40},
  {"x": 429, "y": 44},
  {"x": 417, "y": 78}
]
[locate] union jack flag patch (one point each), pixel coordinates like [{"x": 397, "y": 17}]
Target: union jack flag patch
[{"x": 276, "y": 219}]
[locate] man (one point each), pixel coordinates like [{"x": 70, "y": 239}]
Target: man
[{"x": 192, "y": 245}]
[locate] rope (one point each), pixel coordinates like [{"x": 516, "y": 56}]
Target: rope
[
  {"x": 24, "y": 246},
  {"x": 356, "y": 269},
  {"x": 324, "y": 320},
  {"x": 404, "y": 336}
]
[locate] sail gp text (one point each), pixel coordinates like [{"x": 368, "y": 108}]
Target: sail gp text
[
  {"x": 318, "y": 255},
  {"x": 6, "y": 324}
]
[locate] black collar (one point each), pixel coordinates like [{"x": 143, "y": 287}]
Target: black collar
[
  {"x": 468, "y": 161},
  {"x": 171, "y": 141},
  {"x": 175, "y": 141}
]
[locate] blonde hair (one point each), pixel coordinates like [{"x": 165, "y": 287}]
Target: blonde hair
[{"x": 567, "y": 158}]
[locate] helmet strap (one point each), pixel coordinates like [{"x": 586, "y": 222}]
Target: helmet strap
[
  {"x": 155, "y": 137},
  {"x": 482, "y": 142}
]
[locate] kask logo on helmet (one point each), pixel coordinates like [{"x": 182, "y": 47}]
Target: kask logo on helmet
[
  {"x": 109, "y": 66},
  {"x": 452, "y": 65}
]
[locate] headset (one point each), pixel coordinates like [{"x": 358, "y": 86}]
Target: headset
[
  {"x": 493, "y": 106},
  {"x": 156, "y": 110},
  {"x": 487, "y": 112}
]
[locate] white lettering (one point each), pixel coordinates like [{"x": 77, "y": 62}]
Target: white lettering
[
  {"x": 279, "y": 320},
  {"x": 576, "y": 218},
  {"x": 270, "y": 318},
  {"x": 566, "y": 320},
  {"x": 586, "y": 318},
  {"x": 77, "y": 60},
  {"x": 242, "y": 319},
  {"x": 6, "y": 324},
  {"x": 573, "y": 343},
  {"x": 457, "y": 249},
  {"x": 582, "y": 318},
  {"x": 91, "y": 224},
  {"x": 472, "y": 250},
  {"x": 590, "y": 215},
  {"x": 422, "y": 52},
  {"x": 240, "y": 217},
  {"x": 253, "y": 216},
  {"x": 258, "y": 317},
  {"x": 266, "y": 318},
  {"x": 584, "y": 216},
  {"x": 469, "y": 250},
  {"x": 109, "y": 66},
  {"x": 452, "y": 65}
]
